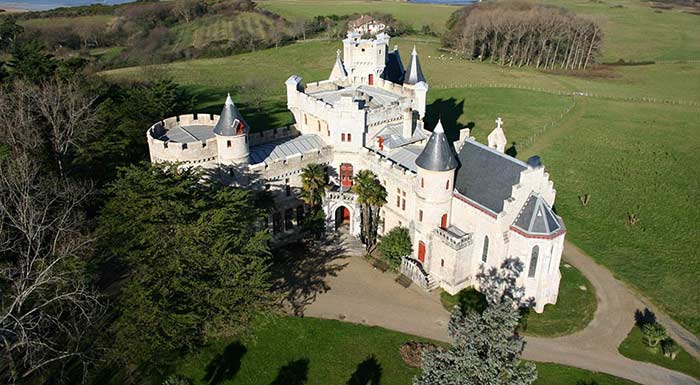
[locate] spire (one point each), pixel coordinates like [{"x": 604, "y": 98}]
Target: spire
[
  {"x": 231, "y": 121},
  {"x": 414, "y": 74},
  {"x": 497, "y": 138},
  {"x": 438, "y": 154},
  {"x": 338, "y": 72}
]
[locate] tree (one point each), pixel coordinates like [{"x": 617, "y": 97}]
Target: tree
[
  {"x": 9, "y": 30},
  {"x": 486, "y": 348},
  {"x": 394, "y": 245},
  {"x": 47, "y": 306},
  {"x": 195, "y": 261},
  {"x": 313, "y": 185},
  {"x": 371, "y": 196},
  {"x": 30, "y": 63}
]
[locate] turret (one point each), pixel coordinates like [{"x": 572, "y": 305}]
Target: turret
[
  {"x": 231, "y": 135},
  {"x": 436, "y": 167},
  {"x": 414, "y": 73},
  {"x": 497, "y": 138}
]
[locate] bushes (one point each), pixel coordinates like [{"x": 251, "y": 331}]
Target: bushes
[
  {"x": 394, "y": 245},
  {"x": 412, "y": 351}
]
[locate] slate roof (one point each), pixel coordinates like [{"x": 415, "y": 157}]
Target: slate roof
[
  {"x": 393, "y": 68},
  {"x": 393, "y": 136},
  {"x": 438, "y": 154},
  {"x": 536, "y": 217},
  {"x": 230, "y": 120},
  {"x": 284, "y": 148},
  {"x": 486, "y": 176},
  {"x": 414, "y": 73},
  {"x": 377, "y": 96},
  {"x": 404, "y": 156}
]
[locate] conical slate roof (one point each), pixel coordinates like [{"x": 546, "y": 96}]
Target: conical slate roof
[
  {"x": 338, "y": 72},
  {"x": 414, "y": 74},
  {"x": 231, "y": 121},
  {"x": 438, "y": 154},
  {"x": 536, "y": 217}
]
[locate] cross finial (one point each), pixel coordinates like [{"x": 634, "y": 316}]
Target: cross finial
[{"x": 499, "y": 122}]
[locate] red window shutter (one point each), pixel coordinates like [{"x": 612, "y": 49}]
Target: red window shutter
[
  {"x": 342, "y": 137},
  {"x": 349, "y": 137}
]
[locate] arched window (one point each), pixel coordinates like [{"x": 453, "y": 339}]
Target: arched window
[
  {"x": 533, "y": 262},
  {"x": 485, "y": 252}
]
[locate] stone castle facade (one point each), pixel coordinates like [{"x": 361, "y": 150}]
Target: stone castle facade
[{"x": 466, "y": 204}]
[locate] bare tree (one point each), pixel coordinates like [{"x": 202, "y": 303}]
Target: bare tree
[
  {"x": 68, "y": 112},
  {"x": 47, "y": 306}
]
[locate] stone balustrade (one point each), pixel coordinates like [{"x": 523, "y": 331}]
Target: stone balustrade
[{"x": 454, "y": 239}]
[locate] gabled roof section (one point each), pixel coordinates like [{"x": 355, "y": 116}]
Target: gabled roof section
[
  {"x": 537, "y": 218},
  {"x": 231, "y": 121},
  {"x": 486, "y": 176},
  {"x": 414, "y": 74},
  {"x": 438, "y": 154}
]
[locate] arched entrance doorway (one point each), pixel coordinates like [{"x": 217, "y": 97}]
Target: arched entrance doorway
[{"x": 342, "y": 217}]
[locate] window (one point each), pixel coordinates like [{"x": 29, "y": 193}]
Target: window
[
  {"x": 442, "y": 263},
  {"x": 398, "y": 201},
  {"x": 447, "y": 185},
  {"x": 422, "y": 183},
  {"x": 184, "y": 146},
  {"x": 228, "y": 143},
  {"x": 420, "y": 215},
  {"x": 485, "y": 252},
  {"x": 342, "y": 137},
  {"x": 319, "y": 125},
  {"x": 349, "y": 137},
  {"x": 533, "y": 262}
]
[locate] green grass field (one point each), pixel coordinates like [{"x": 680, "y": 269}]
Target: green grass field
[
  {"x": 573, "y": 311},
  {"x": 314, "y": 351},
  {"x": 633, "y": 347},
  {"x": 415, "y": 15}
]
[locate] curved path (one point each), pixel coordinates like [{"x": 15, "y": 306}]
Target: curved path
[{"x": 361, "y": 294}]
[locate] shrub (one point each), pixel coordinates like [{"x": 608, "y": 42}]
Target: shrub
[
  {"x": 670, "y": 348},
  {"x": 412, "y": 351},
  {"x": 177, "y": 379},
  {"x": 394, "y": 245},
  {"x": 653, "y": 334}
]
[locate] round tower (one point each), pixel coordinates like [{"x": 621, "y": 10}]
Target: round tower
[
  {"x": 436, "y": 167},
  {"x": 231, "y": 135}
]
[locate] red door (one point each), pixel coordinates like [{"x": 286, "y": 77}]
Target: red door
[
  {"x": 346, "y": 215},
  {"x": 346, "y": 175},
  {"x": 371, "y": 79},
  {"x": 443, "y": 221},
  {"x": 421, "y": 252}
]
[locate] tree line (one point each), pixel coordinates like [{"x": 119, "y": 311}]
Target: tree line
[{"x": 524, "y": 34}]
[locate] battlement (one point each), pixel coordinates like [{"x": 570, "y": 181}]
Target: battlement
[
  {"x": 266, "y": 136},
  {"x": 191, "y": 152}
]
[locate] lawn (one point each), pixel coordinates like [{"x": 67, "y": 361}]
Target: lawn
[
  {"x": 312, "y": 351},
  {"x": 574, "y": 309},
  {"x": 633, "y": 347},
  {"x": 634, "y": 159}
]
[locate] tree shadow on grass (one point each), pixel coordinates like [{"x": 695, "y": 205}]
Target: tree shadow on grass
[
  {"x": 644, "y": 317},
  {"x": 294, "y": 373},
  {"x": 368, "y": 372},
  {"x": 224, "y": 366},
  {"x": 300, "y": 270},
  {"x": 448, "y": 111}
]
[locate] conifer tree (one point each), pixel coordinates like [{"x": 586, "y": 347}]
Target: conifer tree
[{"x": 486, "y": 348}]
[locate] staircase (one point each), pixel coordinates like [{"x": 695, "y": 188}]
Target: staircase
[{"x": 413, "y": 269}]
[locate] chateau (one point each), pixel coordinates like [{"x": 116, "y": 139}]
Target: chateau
[{"x": 466, "y": 204}]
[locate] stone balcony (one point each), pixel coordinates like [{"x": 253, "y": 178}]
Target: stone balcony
[
  {"x": 454, "y": 237},
  {"x": 337, "y": 194}
]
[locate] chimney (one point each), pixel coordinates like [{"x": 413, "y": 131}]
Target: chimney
[
  {"x": 407, "y": 123},
  {"x": 534, "y": 161}
]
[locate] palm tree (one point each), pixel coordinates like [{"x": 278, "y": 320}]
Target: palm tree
[
  {"x": 371, "y": 196},
  {"x": 313, "y": 185}
]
